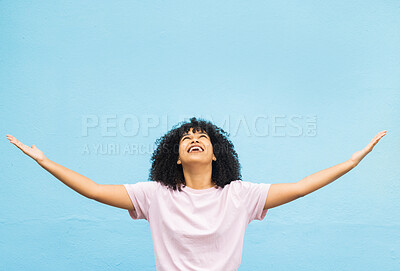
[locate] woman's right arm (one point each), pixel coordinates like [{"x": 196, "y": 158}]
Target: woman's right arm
[{"x": 114, "y": 195}]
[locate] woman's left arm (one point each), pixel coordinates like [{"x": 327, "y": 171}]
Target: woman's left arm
[
  {"x": 321, "y": 178},
  {"x": 285, "y": 192}
]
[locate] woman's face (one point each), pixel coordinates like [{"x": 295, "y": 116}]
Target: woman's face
[{"x": 188, "y": 154}]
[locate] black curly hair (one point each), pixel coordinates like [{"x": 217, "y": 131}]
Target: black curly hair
[{"x": 165, "y": 170}]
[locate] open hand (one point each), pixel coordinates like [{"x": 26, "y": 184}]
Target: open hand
[
  {"x": 32, "y": 152},
  {"x": 359, "y": 155}
]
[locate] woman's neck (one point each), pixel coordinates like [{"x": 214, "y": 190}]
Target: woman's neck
[{"x": 198, "y": 177}]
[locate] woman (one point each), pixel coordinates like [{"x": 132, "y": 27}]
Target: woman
[{"x": 196, "y": 203}]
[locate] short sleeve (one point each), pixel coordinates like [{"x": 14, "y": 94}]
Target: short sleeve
[
  {"x": 253, "y": 197},
  {"x": 140, "y": 194}
]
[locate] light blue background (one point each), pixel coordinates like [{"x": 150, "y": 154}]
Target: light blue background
[{"x": 245, "y": 61}]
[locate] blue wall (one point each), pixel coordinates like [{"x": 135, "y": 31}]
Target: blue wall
[{"x": 300, "y": 85}]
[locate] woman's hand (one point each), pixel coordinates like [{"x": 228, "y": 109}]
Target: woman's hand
[
  {"x": 359, "y": 155},
  {"x": 32, "y": 152}
]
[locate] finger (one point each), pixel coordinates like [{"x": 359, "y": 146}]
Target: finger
[
  {"x": 16, "y": 142},
  {"x": 375, "y": 140},
  {"x": 379, "y": 135},
  {"x": 10, "y": 137},
  {"x": 20, "y": 145}
]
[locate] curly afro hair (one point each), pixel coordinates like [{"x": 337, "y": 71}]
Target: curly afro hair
[{"x": 165, "y": 170}]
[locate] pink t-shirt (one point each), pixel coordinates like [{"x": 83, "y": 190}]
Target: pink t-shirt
[{"x": 198, "y": 229}]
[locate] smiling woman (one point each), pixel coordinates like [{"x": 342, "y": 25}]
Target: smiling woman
[
  {"x": 196, "y": 203},
  {"x": 174, "y": 164}
]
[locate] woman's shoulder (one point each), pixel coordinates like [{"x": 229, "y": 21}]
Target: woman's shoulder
[
  {"x": 243, "y": 186},
  {"x": 143, "y": 186},
  {"x": 234, "y": 185},
  {"x": 145, "y": 183}
]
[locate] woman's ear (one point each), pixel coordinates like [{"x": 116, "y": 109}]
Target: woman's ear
[
  {"x": 179, "y": 161},
  {"x": 214, "y": 158}
]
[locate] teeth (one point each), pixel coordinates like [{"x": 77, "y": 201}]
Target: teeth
[{"x": 194, "y": 148}]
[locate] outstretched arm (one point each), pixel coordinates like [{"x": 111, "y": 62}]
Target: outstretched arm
[
  {"x": 282, "y": 193},
  {"x": 114, "y": 195}
]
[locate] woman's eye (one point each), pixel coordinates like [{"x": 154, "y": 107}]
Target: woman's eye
[{"x": 188, "y": 137}]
